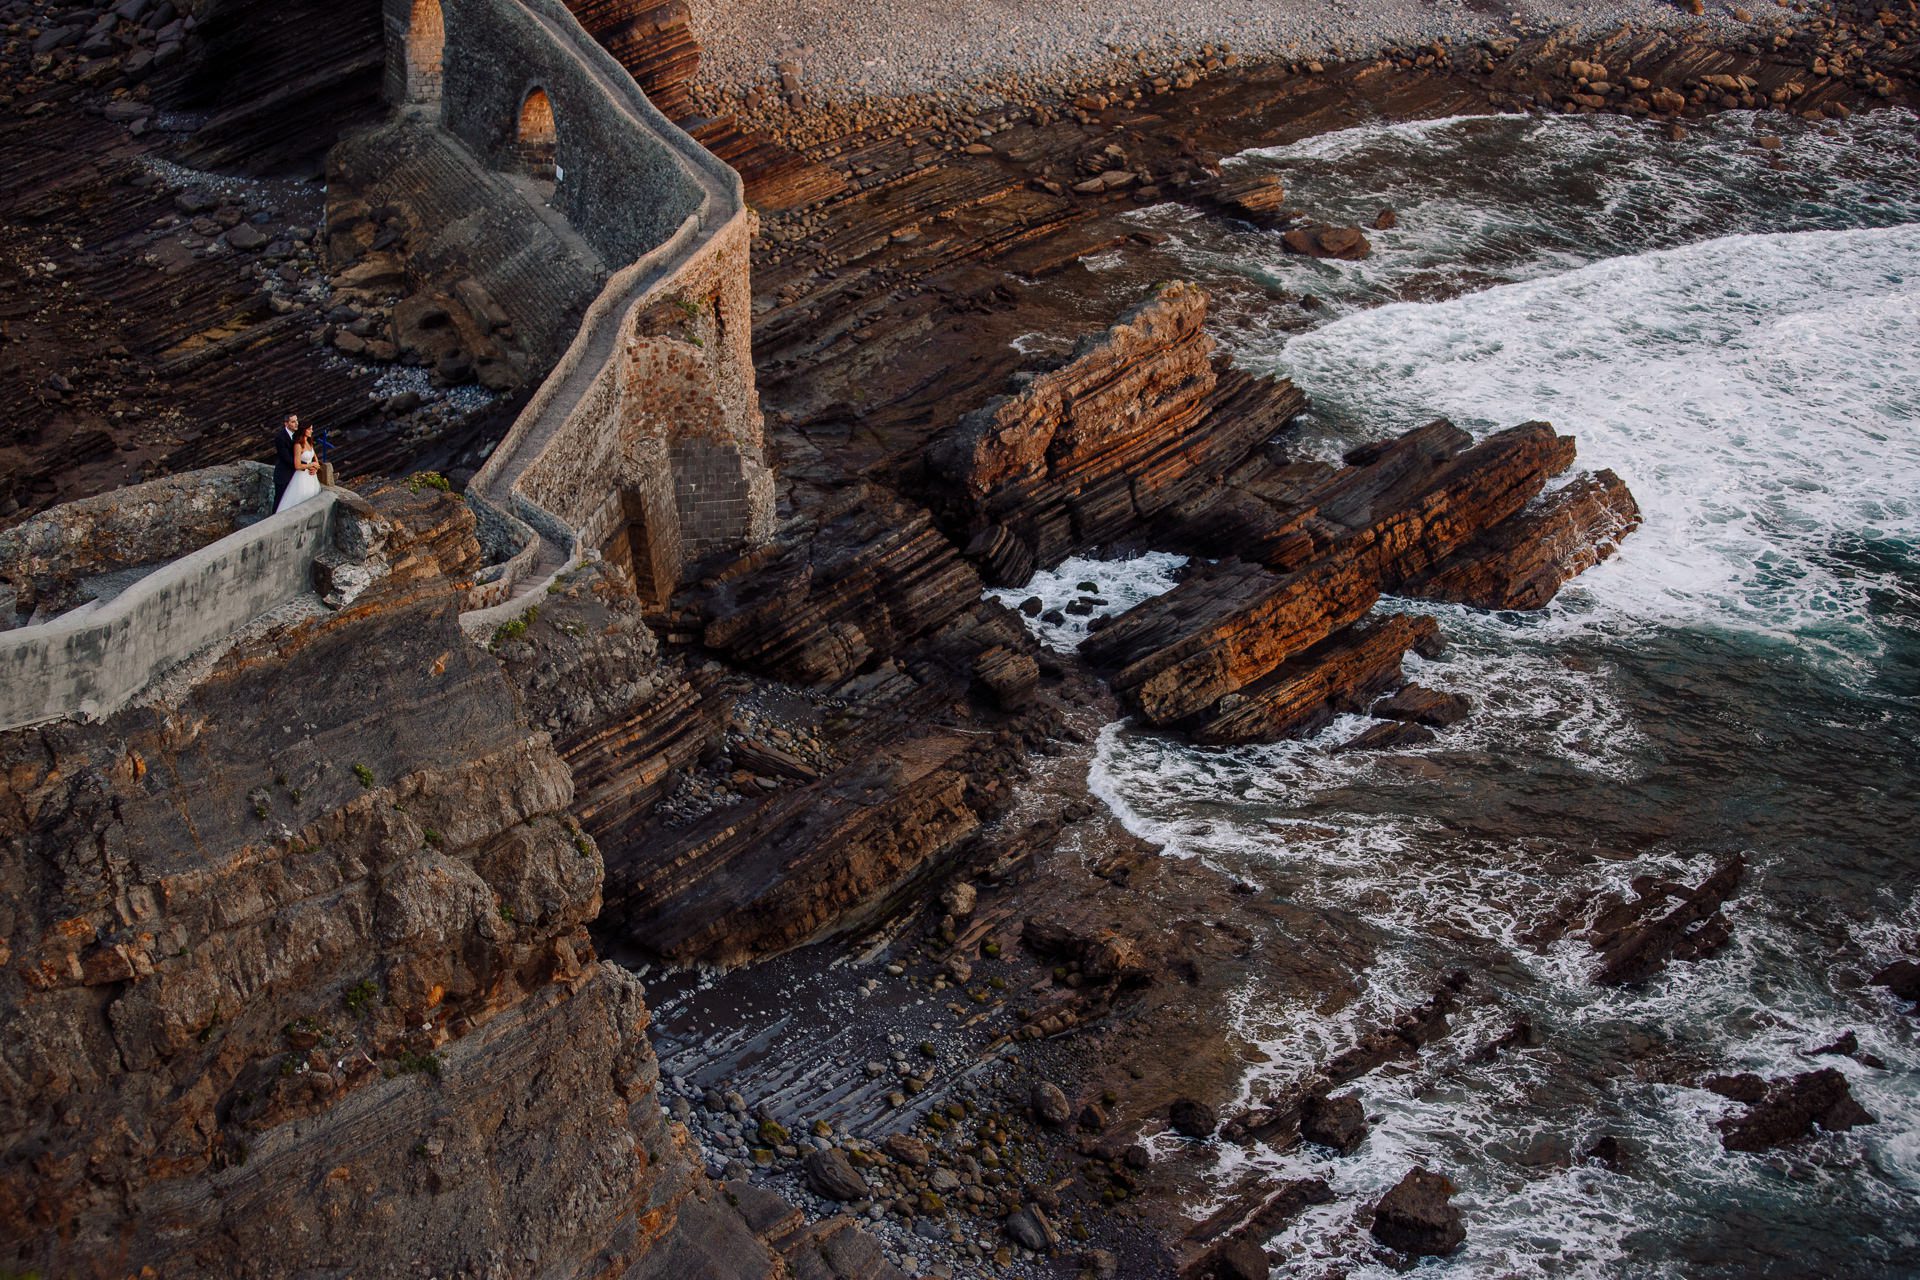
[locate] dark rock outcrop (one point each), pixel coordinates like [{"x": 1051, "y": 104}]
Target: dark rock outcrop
[
  {"x": 1636, "y": 938},
  {"x": 1337, "y": 1121},
  {"x": 1787, "y": 1109},
  {"x": 1418, "y": 1217},
  {"x": 1192, "y": 1118}
]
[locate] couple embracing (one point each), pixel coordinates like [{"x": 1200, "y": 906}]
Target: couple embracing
[{"x": 296, "y": 466}]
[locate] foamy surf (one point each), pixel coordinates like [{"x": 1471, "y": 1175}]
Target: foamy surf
[{"x": 1743, "y": 347}]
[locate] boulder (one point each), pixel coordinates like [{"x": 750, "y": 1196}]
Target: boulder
[
  {"x": 1417, "y": 1216},
  {"x": 1029, "y": 1228},
  {"x": 907, "y": 1150},
  {"x": 1192, "y": 1118},
  {"x": 829, "y": 1174},
  {"x": 1902, "y": 978},
  {"x": 1421, "y": 705},
  {"x": 1339, "y": 1121},
  {"x": 1050, "y": 1105}
]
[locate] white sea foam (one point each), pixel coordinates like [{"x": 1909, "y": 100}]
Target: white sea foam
[
  {"x": 1760, "y": 394},
  {"x": 1757, "y": 393},
  {"x": 1118, "y": 584}
]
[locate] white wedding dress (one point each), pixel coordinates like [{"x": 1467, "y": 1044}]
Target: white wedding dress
[{"x": 303, "y": 486}]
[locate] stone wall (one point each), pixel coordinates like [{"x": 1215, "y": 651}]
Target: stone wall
[
  {"x": 673, "y": 419},
  {"x": 46, "y": 561},
  {"x": 93, "y": 663},
  {"x": 623, "y": 187}
]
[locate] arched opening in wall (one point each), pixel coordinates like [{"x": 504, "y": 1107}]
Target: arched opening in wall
[
  {"x": 642, "y": 552},
  {"x": 535, "y": 141},
  {"x": 426, "y": 42}
]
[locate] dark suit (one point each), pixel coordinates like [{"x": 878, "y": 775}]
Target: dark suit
[{"x": 282, "y": 465}]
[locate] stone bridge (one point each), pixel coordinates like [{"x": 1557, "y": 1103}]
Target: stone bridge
[{"x": 644, "y": 443}]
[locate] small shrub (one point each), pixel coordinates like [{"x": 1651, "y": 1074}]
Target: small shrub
[
  {"x": 433, "y": 838},
  {"x": 365, "y": 775},
  {"x": 506, "y": 913},
  {"x": 411, "y": 1063},
  {"x": 361, "y": 996},
  {"x": 514, "y": 628},
  {"x": 261, "y": 811},
  {"x": 429, "y": 480}
]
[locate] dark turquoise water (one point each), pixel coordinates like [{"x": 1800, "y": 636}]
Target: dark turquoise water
[{"x": 1743, "y": 346}]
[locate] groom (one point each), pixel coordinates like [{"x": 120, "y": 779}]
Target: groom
[{"x": 283, "y": 458}]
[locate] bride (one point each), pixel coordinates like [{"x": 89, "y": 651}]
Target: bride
[{"x": 306, "y": 472}]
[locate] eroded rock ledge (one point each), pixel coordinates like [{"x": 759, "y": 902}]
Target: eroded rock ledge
[{"x": 1142, "y": 435}]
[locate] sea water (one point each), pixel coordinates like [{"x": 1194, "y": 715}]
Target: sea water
[{"x": 1741, "y": 343}]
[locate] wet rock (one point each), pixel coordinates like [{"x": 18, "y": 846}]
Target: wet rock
[
  {"x": 1609, "y": 1151},
  {"x": 829, "y": 1174},
  {"x": 1339, "y": 1122},
  {"x": 1235, "y": 1260},
  {"x": 1050, "y": 1105},
  {"x": 1386, "y": 219},
  {"x": 1417, "y": 1217},
  {"x": 1636, "y": 939},
  {"x": 1787, "y": 1109},
  {"x": 1421, "y": 705},
  {"x": 1319, "y": 240},
  {"x": 1192, "y": 1118},
  {"x": 1522, "y": 562},
  {"x": 1902, "y": 978},
  {"x": 1392, "y": 735}
]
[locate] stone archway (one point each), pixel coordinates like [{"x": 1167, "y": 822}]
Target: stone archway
[
  {"x": 426, "y": 44},
  {"x": 536, "y": 140}
]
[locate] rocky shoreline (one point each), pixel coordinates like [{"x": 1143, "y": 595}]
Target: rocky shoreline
[{"x": 830, "y": 801}]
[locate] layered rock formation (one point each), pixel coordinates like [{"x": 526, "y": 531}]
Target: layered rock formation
[
  {"x": 285, "y": 984},
  {"x": 1142, "y": 435},
  {"x": 1088, "y": 452}
]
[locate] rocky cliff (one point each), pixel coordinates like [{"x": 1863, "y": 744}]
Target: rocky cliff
[{"x": 299, "y": 978}]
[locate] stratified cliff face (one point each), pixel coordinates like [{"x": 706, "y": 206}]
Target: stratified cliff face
[{"x": 297, "y": 976}]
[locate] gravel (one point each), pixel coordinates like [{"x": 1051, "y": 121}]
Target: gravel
[{"x": 846, "y": 50}]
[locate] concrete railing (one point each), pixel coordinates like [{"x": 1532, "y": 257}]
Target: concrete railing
[
  {"x": 93, "y": 662},
  {"x": 578, "y": 411}
]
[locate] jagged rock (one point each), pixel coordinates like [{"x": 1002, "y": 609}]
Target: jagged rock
[
  {"x": 1523, "y": 562},
  {"x": 1338, "y": 1121},
  {"x": 1636, "y": 939},
  {"x": 1010, "y": 678},
  {"x": 415, "y": 896},
  {"x": 1259, "y": 198},
  {"x": 873, "y": 577},
  {"x": 1221, "y": 629},
  {"x": 1340, "y": 674},
  {"x": 1420, "y": 705},
  {"x": 829, "y": 1174},
  {"x": 959, "y": 898},
  {"x": 1417, "y": 1216},
  {"x": 1787, "y": 1109},
  {"x": 1103, "y": 952},
  {"x": 1050, "y": 1105},
  {"x": 1141, "y": 418},
  {"x": 1391, "y": 735},
  {"x": 1319, "y": 240},
  {"x": 1192, "y": 1118}
]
